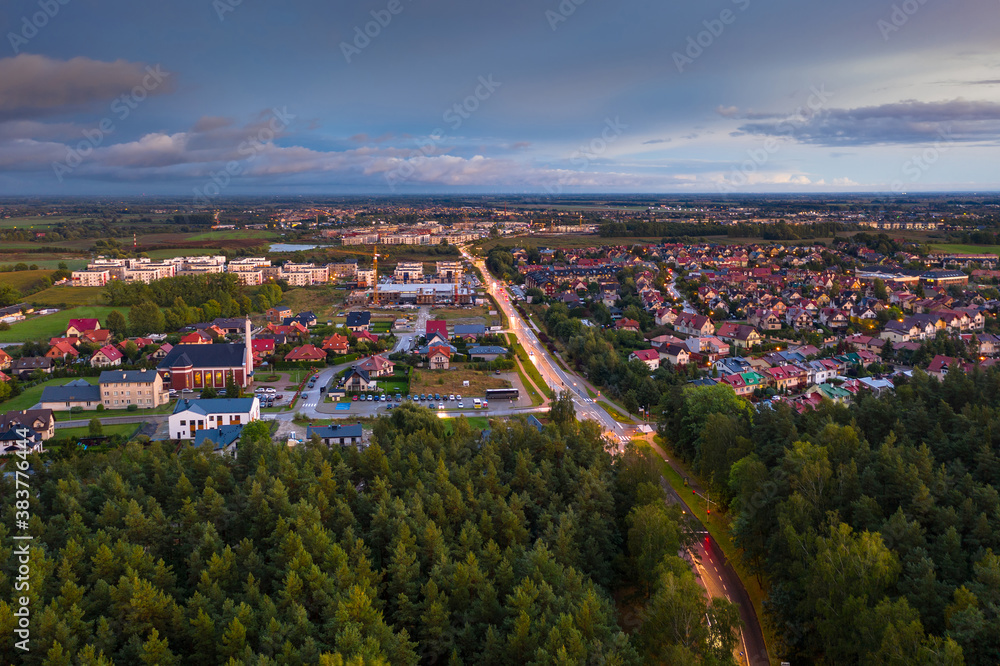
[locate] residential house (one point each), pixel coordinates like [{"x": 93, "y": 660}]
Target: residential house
[
  {"x": 677, "y": 355},
  {"x": 5, "y": 360},
  {"x": 76, "y": 393},
  {"x": 106, "y": 357},
  {"x": 161, "y": 352},
  {"x": 765, "y": 320},
  {"x": 357, "y": 380},
  {"x": 261, "y": 348},
  {"x": 739, "y": 335},
  {"x": 223, "y": 439},
  {"x": 377, "y": 366},
  {"x": 61, "y": 350},
  {"x": 202, "y": 337},
  {"x": 941, "y": 365},
  {"x": 277, "y": 314},
  {"x": 694, "y": 324},
  {"x": 439, "y": 357},
  {"x": 627, "y": 325},
  {"x": 359, "y": 321},
  {"x": 470, "y": 331},
  {"x": 486, "y": 353},
  {"x": 306, "y": 354},
  {"x": 336, "y": 343},
  {"x": 341, "y": 435},
  {"x": 24, "y": 366},
  {"x": 77, "y": 327},
  {"x": 190, "y": 416},
  {"x": 665, "y": 317},
  {"x": 650, "y": 357},
  {"x": 40, "y": 421}
]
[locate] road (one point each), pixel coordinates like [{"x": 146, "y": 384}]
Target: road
[
  {"x": 404, "y": 341},
  {"x": 719, "y": 579},
  {"x": 554, "y": 376}
]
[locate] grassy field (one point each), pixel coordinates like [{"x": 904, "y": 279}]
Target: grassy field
[
  {"x": 182, "y": 252},
  {"x": 450, "y": 381},
  {"x": 233, "y": 234},
  {"x": 23, "y": 280},
  {"x": 46, "y": 261},
  {"x": 64, "y": 296},
  {"x": 450, "y": 315},
  {"x": 563, "y": 241},
  {"x": 127, "y": 429},
  {"x": 475, "y": 422},
  {"x": 966, "y": 249},
  {"x": 321, "y": 300},
  {"x": 52, "y": 325},
  {"x": 30, "y": 397}
]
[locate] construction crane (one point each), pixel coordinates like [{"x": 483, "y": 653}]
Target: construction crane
[{"x": 375, "y": 279}]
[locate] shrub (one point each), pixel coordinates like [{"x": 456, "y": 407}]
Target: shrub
[
  {"x": 132, "y": 408},
  {"x": 75, "y": 409},
  {"x": 100, "y": 407}
]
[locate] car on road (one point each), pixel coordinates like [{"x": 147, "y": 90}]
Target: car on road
[
  {"x": 271, "y": 389},
  {"x": 441, "y": 406},
  {"x": 497, "y": 372},
  {"x": 187, "y": 390},
  {"x": 461, "y": 405}
]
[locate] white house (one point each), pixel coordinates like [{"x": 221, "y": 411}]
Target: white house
[{"x": 190, "y": 416}]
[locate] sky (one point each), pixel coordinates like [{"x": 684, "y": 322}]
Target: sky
[{"x": 216, "y": 98}]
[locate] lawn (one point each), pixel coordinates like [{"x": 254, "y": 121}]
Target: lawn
[
  {"x": 68, "y": 296},
  {"x": 51, "y": 325},
  {"x": 127, "y": 429},
  {"x": 475, "y": 422},
  {"x": 450, "y": 381},
  {"x": 73, "y": 263},
  {"x": 31, "y": 396},
  {"x": 24, "y": 280}
]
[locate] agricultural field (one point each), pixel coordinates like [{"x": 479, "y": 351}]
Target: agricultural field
[
  {"x": 31, "y": 396},
  {"x": 24, "y": 280},
  {"x": 233, "y": 234},
  {"x": 450, "y": 381},
  {"x": 64, "y": 296},
  {"x": 51, "y": 325}
]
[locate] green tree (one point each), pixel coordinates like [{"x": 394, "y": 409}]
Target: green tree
[
  {"x": 115, "y": 322},
  {"x": 95, "y": 429},
  {"x": 146, "y": 318}
]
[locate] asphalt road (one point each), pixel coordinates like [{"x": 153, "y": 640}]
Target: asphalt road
[{"x": 720, "y": 579}]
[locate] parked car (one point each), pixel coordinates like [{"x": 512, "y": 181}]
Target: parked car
[
  {"x": 458, "y": 397},
  {"x": 441, "y": 406},
  {"x": 437, "y": 396},
  {"x": 354, "y": 398},
  {"x": 461, "y": 405},
  {"x": 451, "y": 397},
  {"x": 271, "y": 389}
]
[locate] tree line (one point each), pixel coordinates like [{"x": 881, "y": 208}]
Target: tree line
[
  {"x": 874, "y": 526},
  {"x": 520, "y": 546}
]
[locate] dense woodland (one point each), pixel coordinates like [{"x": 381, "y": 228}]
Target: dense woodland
[
  {"x": 875, "y": 527},
  {"x": 521, "y": 547}
]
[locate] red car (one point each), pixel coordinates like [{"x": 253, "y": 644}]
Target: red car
[{"x": 354, "y": 398}]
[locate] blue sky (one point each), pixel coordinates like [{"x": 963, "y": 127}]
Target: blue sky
[{"x": 232, "y": 97}]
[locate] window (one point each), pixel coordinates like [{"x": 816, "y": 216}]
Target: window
[{"x": 183, "y": 422}]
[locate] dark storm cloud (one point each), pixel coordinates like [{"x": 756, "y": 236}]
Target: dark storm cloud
[
  {"x": 33, "y": 85},
  {"x": 903, "y": 122}
]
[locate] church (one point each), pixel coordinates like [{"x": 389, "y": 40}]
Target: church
[{"x": 202, "y": 366}]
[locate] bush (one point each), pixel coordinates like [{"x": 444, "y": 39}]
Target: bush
[
  {"x": 132, "y": 408},
  {"x": 100, "y": 407},
  {"x": 76, "y": 409}
]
